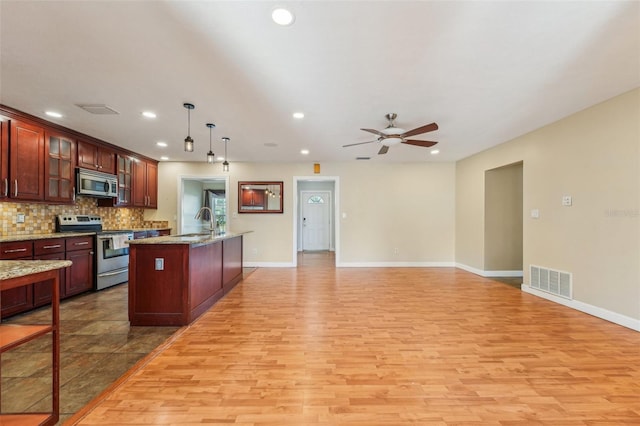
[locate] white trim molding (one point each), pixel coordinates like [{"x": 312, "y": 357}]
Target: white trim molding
[
  {"x": 489, "y": 274},
  {"x": 395, "y": 264},
  {"x": 596, "y": 311},
  {"x": 268, "y": 265}
]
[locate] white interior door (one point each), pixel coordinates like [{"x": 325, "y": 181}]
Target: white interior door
[{"x": 316, "y": 216}]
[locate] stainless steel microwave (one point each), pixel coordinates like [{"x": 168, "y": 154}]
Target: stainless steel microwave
[{"x": 96, "y": 184}]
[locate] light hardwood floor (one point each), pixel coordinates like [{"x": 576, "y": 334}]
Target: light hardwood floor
[{"x": 385, "y": 346}]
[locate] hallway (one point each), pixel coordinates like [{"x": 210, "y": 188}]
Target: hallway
[{"x": 366, "y": 346}]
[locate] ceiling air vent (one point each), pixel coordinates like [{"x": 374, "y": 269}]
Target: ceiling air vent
[
  {"x": 363, "y": 158},
  {"x": 99, "y": 109}
]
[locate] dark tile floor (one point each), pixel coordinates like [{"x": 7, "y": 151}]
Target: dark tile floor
[{"x": 97, "y": 346}]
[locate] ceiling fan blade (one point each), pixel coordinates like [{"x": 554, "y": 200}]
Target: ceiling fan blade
[
  {"x": 358, "y": 143},
  {"x": 425, "y": 144},
  {"x": 375, "y": 132},
  {"x": 424, "y": 129},
  {"x": 383, "y": 149}
]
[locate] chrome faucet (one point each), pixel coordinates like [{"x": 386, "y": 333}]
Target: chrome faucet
[{"x": 212, "y": 218}]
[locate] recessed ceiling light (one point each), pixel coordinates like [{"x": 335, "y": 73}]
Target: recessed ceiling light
[
  {"x": 304, "y": 152},
  {"x": 161, "y": 144},
  {"x": 53, "y": 114},
  {"x": 164, "y": 157},
  {"x": 298, "y": 115},
  {"x": 149, "y": 114},
  {"x": 282, "y": 16},
  {"x": 435, "y": 151}
]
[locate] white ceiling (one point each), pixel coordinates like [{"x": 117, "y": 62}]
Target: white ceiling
[{"x": 486, "y": 72}]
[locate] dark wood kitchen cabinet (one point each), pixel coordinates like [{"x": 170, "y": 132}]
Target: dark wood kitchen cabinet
[
  {"x": 80, "y": 275},
  {"x": 4, "y": 159},
  {"x": 94, "y": 157},
  {"x": 145, "y": 184},
  {"x": 253, "y": 198},
  {"x": 59, "y": 167},
  {"x": 18, "y": 299},
  {"x": 49, "y": 249},
  {"x": 26, "y": 161},
  {"x": 124, "y": 171}
]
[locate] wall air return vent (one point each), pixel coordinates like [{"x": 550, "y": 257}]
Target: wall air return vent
[
  {"x": 551, "y": 281},
  {"x": 99, "y": 109}
]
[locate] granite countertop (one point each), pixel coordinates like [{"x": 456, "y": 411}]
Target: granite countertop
[
  {"x": 9, "y": 238},
  {"x": 138, "y": 229},
  {"x": 30, "y": 237},
  {"x": 19, "y": 268},
  {"x": 192, "y": 239}
]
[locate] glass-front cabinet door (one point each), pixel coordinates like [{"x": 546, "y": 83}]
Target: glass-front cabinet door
[
  {"x": 60, "y": 168},
  {"x": 124, "y": 180}
]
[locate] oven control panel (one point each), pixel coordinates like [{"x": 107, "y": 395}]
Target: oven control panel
[{"x": 79, "y": 219}]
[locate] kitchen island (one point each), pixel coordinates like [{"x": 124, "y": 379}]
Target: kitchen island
[{"x": 175, "y": 279}]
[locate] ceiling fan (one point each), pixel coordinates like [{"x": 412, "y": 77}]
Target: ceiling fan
[{"x": 392, "y": 135}]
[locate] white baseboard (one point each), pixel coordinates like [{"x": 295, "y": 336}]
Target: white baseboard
[
  {"x": 596, "y": 311},
  {"x": 489, "y": 274},
  {"x": 268, "y": 264},
  {"x": 395, "y": 264}
]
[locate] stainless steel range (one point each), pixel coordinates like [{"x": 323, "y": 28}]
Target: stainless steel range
[{"x": 112, "y": 250}]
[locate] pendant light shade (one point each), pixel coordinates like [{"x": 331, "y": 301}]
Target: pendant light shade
[
  {"x": 225, "y": 164},
  {"x": 188, "y": 141},
  {"x": 210, "y": 155}
]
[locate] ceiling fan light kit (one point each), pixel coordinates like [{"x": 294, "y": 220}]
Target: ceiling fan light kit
[{"x": 392, "y": 135}]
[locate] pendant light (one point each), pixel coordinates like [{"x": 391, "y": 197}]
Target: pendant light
[
  {"x": 210, "y": 155},
  {"x": 188, "y": 142},
  {"x": 225, "y": 164}
]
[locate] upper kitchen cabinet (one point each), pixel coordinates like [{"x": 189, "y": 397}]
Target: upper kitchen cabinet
[
  {"x": 4, "y": 158},
  {"x": 124, "y": 171},
  {"x": 145, "y": 184},
  {"x": 94, "y": 157},
  {"x": 59, "y": 167},
  {"x": 26, "y": 159}
]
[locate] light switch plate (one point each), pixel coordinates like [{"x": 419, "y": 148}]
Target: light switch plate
[
  {"x": 535, "y": 213},
  {"x": 20, "y": 218},
  {"x": 566, "y": 200}
]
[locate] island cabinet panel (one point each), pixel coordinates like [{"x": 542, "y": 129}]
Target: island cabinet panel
[
  {"x": 173, "y": 282},
  {"x": 232, "y": 263},
  {"x": 205, "y": 271},
  {"x": 158, "y": 295}
]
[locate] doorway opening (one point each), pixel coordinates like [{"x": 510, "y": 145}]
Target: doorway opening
[
  {"x": 196, "y": 192},
  {"x": 316, "y": 226},
  {"x": 503, "y": 223}
]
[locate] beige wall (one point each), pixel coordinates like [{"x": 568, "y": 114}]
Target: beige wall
[
  {"x": 409, "y": 207},
  {"x": 503, "y": 219},
  {"x": 594, "y": 157}
]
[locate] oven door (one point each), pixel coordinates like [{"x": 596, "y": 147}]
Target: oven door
[{"x": 110, "y": 257}]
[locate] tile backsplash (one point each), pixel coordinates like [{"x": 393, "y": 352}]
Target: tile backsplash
[{"x": 40, "y": 218}]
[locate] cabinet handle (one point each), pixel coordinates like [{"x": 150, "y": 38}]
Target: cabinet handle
[
  {"x": 84, "y": 243},
  {"x": 15, "y": 250},
  {"x": 52, "y": 247},
  {"x": 74, "y": 194},
  {"x": 15, "y": 184},
  {"x": 6, "y": 187}
]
